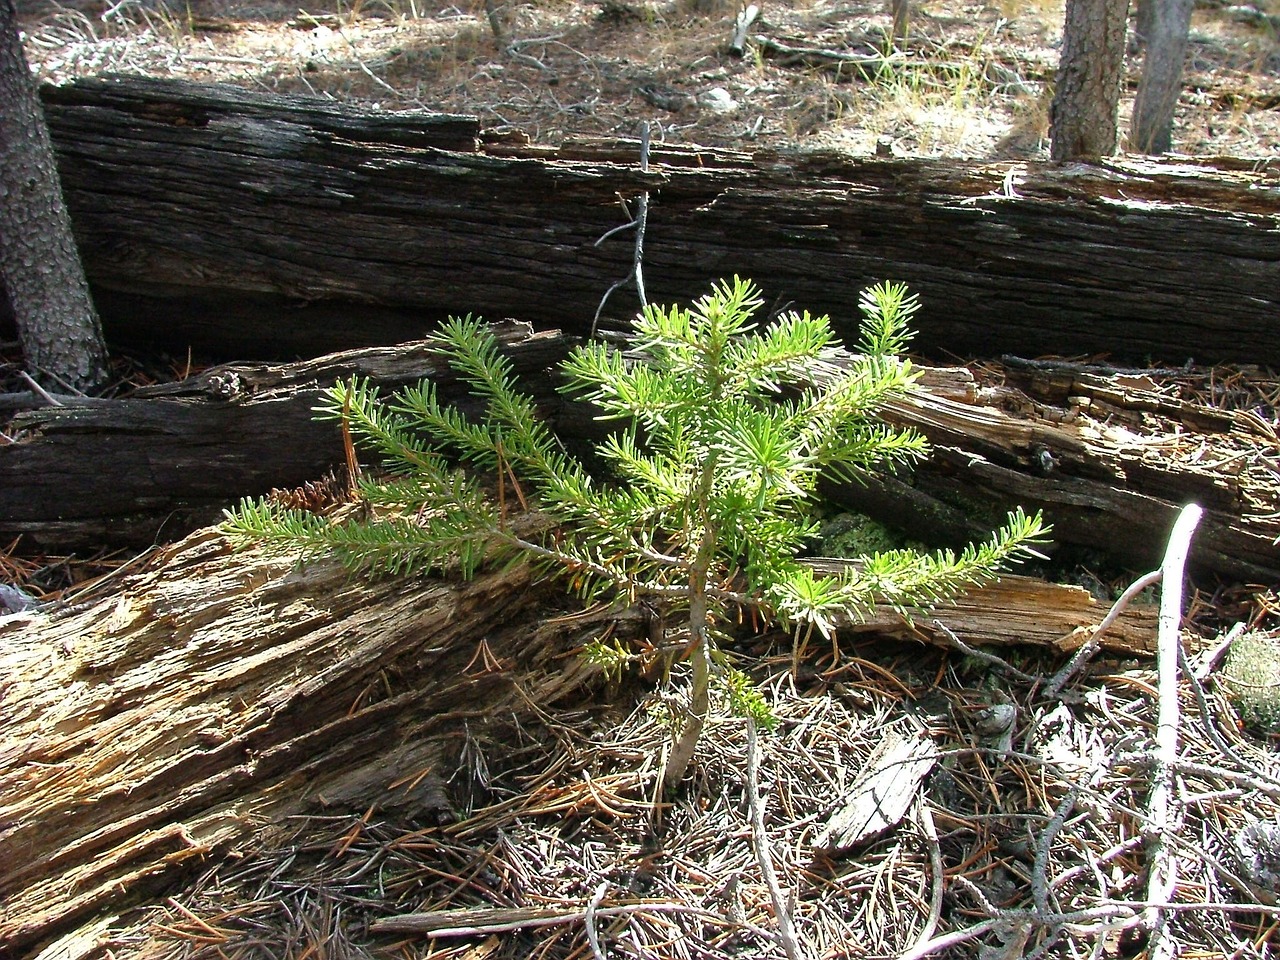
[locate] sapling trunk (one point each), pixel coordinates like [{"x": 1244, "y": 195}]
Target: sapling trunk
[
  {"x": 696, "y": 718},
  {"x": 699, "y": 639}
]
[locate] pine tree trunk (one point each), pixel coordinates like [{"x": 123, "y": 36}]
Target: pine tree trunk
[
  {"x": 901, "y": 10},
  {"x": 1083, "y": 118},
  {"x": 60, "y": 332},
  {"x": 1143, "y": 14},
  {"x": 1152, "y": 128}
]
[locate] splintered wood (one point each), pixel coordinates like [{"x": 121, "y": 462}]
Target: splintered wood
[
  {"x": 886, "y": 788},
  {"x": 1000, "y": 839},
  {"x": 155, "y": 728}
]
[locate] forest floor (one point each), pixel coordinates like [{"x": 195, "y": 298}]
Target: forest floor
[
  {"x": 974, "y": 79},
  {"x": 1032, "y": 836}
]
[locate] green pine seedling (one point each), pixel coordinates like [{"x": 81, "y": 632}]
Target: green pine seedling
[{"x": 725, "y": 429}]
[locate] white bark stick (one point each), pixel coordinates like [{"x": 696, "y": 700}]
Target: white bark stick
[{"x": 1162, "y": 872}]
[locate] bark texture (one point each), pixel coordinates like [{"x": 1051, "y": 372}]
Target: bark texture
[
  {"x": 169, "y": 459},
  {"x": 1167, "y": 26},
  {"x": 1090, "y": 69},
  {"x": 39, "y": 264},
  {"x": 1109, "y": 459},
  {"x": 158, "y": 465},
  {"x": 149, "y": 732},
  {"x": 261, "y": 227}
]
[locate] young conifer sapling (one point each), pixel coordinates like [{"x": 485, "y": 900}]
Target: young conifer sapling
[{"x": 724, "y": 429}]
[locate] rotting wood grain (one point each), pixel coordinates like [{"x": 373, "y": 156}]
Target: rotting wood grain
[
  {"x": 257, "y": 226},
  {"x": 171, "y": 458},
  {"x": 157, "y": 727},
  {"x": 1016, "y": 610},
  {"x": 151, "y": 731}
]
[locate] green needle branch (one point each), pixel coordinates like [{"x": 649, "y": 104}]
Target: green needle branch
[{"x": 725, "y": 427}]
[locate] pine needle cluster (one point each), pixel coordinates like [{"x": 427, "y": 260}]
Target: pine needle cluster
[{"x": 725, "y": 427}]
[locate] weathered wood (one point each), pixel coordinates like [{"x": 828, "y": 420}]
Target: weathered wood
[
  {"x": 162, "y": 463},
  {"x": 883, "y": 792},
  {"x": 154, "y": 729},
  {"x": 159, "y": 464},
  {"x": 149, "y": 732},
  {"x": 253, "y": 225},
  {"x": 1109, "y": 486},
  {"x": 1017, "y": 610}
]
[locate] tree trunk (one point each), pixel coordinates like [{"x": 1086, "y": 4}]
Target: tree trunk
[
  {"x": 1152, "y": 128},
  {"x": 158, "y": 465},
  {"x": 149, "y": 733},
  {"x": 1143, "y": 17},
  {"x": 255, "y": 226},
  {"x": 1090, "y": 69},
  {"x": 901, "y": 10},
  {"x": 60, "y": 333}
]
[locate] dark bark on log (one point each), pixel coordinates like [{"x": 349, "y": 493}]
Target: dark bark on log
[
  {"x": 129, "y": 471},
  {"x": 255, "y": 226},
  {"x": 1104, "y": 489},
  {"x": 148, "y": 733},
  {"x": 158, "y": 465}
]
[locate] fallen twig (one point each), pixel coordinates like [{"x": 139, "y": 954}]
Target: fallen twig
[
  {"x": 473, "y": 921},
  {"x": 589, "y": 920},
  {"x": 1002, "y": 665},
  {"x": 1161, "y": 865},
  {"x": 746, "y": 17},
  {"x": 939, "y": 874},
  {"x": 760, "y": 841},
  {"x": 640, "y": 221},
  {"x": 39, "y": 390},
  {"x": 1082, "y": 656}
]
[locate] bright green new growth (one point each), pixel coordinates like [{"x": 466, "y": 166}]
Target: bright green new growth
[{"x": 726, "y": 429}]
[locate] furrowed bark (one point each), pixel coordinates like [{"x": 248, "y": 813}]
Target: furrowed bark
[{"x": 256, "y": 226}]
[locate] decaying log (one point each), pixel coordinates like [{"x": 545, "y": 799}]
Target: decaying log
[
  {"x": 151, "y": 731},
  {"x": 169, "y": 459},
  {"x": 255, "y": 226},
  {"x": 173, "y": 457},
  {"x": 1109, "y": 459},
  {"x": 1020, "y": 610}
]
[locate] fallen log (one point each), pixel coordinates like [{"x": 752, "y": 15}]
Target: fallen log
[
  {"x": 1110, "y": 464},
  {"x": 154, "y": 729},
  {"x": 258, "y": 226},
  {"x": 1109, "y": 459},
  {"x": 157, "y": 465},
  {"x": 147, "y": 733}
]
